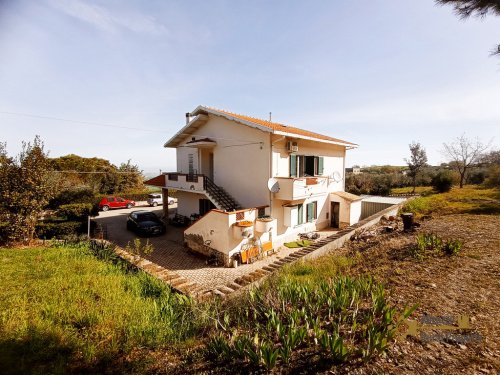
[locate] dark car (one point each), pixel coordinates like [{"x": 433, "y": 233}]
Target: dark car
[
  {"x": 115, "y": 202},
  {"x": 145, "y": 223}
]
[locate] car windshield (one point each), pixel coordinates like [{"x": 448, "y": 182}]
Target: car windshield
[{"x": 147, "y": 217}]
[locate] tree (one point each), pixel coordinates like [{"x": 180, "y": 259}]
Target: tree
[
  {"x": 462, "y": 154},
  {"x": 417, "y": 161},
  {"x": 26, "y": 186},
  {"x": 480, "y": 8}
]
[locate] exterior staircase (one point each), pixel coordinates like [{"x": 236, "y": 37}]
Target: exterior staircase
[{"x": 219, "y": 196}]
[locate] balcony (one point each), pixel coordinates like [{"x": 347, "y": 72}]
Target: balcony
[
  {"x": 182, "y": 181},
  {"x": 301, "y": 188}
]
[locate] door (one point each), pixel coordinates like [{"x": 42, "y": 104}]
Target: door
[{"x": 334, "y": 214}]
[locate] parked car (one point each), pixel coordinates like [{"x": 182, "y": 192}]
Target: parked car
[
  {"x": 115, "y": 202},
  {"x": 145, "y": 223},
  {"x": 156, "y": 199}
]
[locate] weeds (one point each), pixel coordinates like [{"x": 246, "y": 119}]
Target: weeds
[
  {"x": 430, "y": 242},
  {"x": 343, "y": 318}
]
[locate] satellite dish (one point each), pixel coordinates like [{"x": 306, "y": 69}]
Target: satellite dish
[
  {"x": 273, "y": 185},
  {"x": 336, "y": 176}
]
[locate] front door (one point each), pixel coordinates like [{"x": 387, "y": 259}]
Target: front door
[{"x": 334, "y": 214}]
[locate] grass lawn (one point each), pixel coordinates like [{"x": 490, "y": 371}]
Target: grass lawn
[
  {"x": 468, "y": 200},
  {"x": 64, "y": 308},
  {"x": 423, "y": 190}
]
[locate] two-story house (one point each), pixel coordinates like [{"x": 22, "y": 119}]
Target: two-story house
[{"x": 254, "y": 181}]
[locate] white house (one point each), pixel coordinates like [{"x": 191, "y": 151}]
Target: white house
[{"x": 255, "y": 183}]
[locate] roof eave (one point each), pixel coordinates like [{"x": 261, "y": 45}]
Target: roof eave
[{"x": 294, "y": 135}]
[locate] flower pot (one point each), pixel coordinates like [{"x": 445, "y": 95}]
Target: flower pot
[{"x": 265, "y": 225}]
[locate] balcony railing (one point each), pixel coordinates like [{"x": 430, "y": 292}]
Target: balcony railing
[{"x": 301, "y": 188}]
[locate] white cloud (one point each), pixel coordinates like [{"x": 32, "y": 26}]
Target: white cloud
[{"x": 106, "y": 20}]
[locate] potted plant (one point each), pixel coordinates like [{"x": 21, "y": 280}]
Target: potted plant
[
  {"x": 243, "y": 229},
  {"x": 264, "y": 223}
]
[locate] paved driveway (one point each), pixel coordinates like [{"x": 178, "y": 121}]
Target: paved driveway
[{"x": 170, "y": 253}]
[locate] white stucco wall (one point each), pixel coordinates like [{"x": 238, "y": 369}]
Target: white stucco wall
[
  {"x": 333, "y": 158},
  {"x": 188, "y": 203},
  {"x": 355, "y": 212},
  {"x": 241, "y": 159}
]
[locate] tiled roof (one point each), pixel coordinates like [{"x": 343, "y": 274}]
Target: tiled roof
[{"x": 277, "y": 127}]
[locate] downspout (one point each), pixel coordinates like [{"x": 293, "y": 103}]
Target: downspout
[
  {"x": 343, "y": 171},
  {"x": 271, "y": 165}
]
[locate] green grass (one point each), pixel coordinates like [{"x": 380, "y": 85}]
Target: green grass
[
  {"x": 468, "y": 200},
  {"x": 63, "y": 307},
  {"x": 423, "y": 190}
]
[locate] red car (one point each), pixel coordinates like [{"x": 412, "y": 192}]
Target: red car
[{"x": 115, "y": 202}]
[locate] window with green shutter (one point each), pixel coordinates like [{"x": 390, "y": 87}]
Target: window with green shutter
[
  {"x": 311, "y": 211},
  {"x": 293, "y": 165},
  {"x": 300, "y": 214},
  {"x": 320, "y": 165}
]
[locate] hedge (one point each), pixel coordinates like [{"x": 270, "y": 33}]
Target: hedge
[
  {"x": 77, "y": 211},
  {"x": 48, "y": 230}
]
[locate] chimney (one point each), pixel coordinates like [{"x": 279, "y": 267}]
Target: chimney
[{"x": 188, "y": 117}]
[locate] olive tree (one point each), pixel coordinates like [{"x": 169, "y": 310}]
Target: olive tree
[
  {"x": 417, "y": 161},
  {"x": 26, "y": 186}
]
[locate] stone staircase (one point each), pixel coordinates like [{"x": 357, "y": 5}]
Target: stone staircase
[{"x": 219, "y": 196}]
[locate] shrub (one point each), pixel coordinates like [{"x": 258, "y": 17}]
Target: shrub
[
  {"x": 452, "y": 247},
  {"x": 48, "y": 230},
  {"x": 442, "y": 181},
  {"x": 493, "y": 179},
  {"x": 72, "y": 196},
  {"x": 76, "y": 211}
]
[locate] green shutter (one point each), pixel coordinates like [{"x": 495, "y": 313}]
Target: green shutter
[
  {"x": 311, "y": 213},
  {"x": 293, "y": 165},
  {"x": 320, "y": 166},
  {"x": 300, "y": 214}
]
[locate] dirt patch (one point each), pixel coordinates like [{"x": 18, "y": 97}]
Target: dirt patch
[{"x": 444, "y": 288}]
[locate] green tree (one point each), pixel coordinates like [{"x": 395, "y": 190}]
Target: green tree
[
  {"x": 130, "y": 177},
  {"x": 480, "y": 8},
  {"x": 26, "y": 186},
  {"x": 417, "y": 161}
]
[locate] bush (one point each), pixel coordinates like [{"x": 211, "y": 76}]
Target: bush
[
  {"x": 77, "y": 211},
  {"x": 493, "y": 179},
  {"x": 48, "y": 230},
  {"x": 72, "y": 196},
  {"x": 442, "y": 181},
  {"x": 4, "y": 227}
]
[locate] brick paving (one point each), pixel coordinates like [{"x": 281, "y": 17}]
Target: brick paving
[{"x": 188, "y": 268}]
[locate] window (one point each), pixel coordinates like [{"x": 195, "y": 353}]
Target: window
[
  {"x": 261, "y": 212},
  {"x": 191, "y": 164},
  {"x": 300, "y": 214},
  {"x": 302, "y": 165},
  {"x": 311, "y": 211},
  {"x": 110, "y": 199}
]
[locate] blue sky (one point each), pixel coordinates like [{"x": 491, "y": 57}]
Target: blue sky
[{"x": 379, "y": 73}]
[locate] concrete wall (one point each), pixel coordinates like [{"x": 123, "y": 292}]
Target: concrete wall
[
  {"x": 216, "y": 231},
  {"x": 188, "y": 203},
  {"x": 355, "y": 212}
]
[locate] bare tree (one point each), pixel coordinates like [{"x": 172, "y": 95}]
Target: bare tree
[
  {"x": 418, "y": 160},
  {"x": 463, "y": 153},
  {"x": 479, "y": 8}
]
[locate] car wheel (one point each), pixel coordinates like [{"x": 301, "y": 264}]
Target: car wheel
[
  {"x": 129, "y": 206},
  {"x": 105, "y": 208},
  {"x": 171, "y": 202},
  {"x": 155, "y": 204}
]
